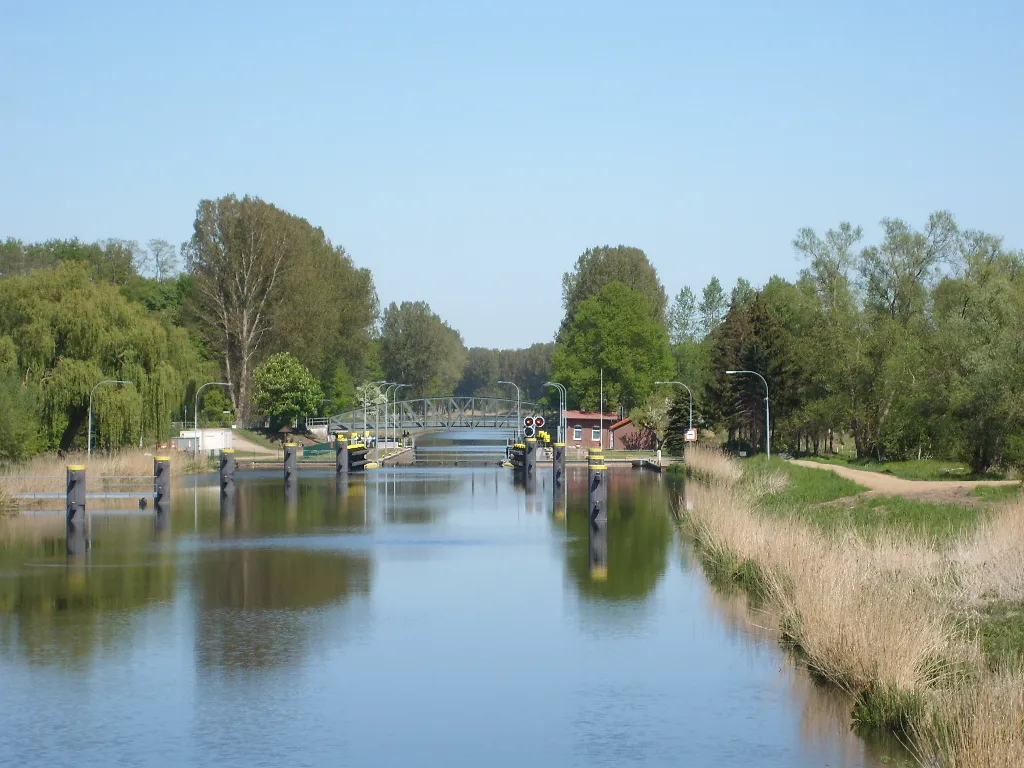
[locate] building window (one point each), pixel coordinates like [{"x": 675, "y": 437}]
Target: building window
[
  {"x": 595, "y": 435},
  {"x": 577, "y": 433}
]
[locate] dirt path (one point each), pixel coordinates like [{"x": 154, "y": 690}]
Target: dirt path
[
  {"x": 879, "y": 484},
  {"x": 242, "y": 445}
]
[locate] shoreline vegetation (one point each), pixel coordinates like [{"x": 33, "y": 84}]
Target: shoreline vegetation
[{"x": 913, "y": 609}]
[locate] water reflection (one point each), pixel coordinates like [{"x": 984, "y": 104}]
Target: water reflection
[
  {"x": 625, "y": 561},
  {"x": 63, "y": 608},
  {"x": 410, "y": 615},
  {"x": 257, "y": 606}
]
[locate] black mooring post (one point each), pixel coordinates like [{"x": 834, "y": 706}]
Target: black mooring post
[
  {"x": 530, "y": 464},
  {"x": 76, "y": 492},
  {"x": 597, "y": 488},
  {"x": 341, "y": 457},
  {"x": 558, "y": 467},
  {"x": 162, "y": 483},
  {"x": 77, "y": 521},
  {"x": 291, "y": 462},
  {"x": 227, "y": 472}
]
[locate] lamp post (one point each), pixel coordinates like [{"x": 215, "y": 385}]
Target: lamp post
[
  {"x": 394, "y": 414},
  {"x": 562, "y": 401},
  {"x": 88, "y": 445},
  {"x": 371, "y": 384},
  {"x": 679, "y": 383},
  {"x": 767, "y": 417},
  {"x": 519, "y": 413},
  {"x": 376, "y": 427},
  {"x": 195, "y": 412}
]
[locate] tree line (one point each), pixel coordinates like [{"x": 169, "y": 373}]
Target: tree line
[
  {"x": 907, "y": 347},
  {"x": 257, "y": 297}
]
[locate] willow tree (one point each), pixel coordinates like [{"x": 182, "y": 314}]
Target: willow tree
[{"x": 69, "y": 332}]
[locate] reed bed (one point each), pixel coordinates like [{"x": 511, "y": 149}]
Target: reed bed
[
  {"x": 127, "y": 470},
  {"x": 881, "y": 618}
]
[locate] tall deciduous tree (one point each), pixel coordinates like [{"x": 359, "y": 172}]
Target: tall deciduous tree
[
  {"x": 419, "y": 349},
  {"x": 597, "y": 267},
  {"x": 614, "y": 331},
  {"x": 238, "y": 252}
]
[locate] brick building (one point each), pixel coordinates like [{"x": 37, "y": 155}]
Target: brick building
[{"x": 585, "y": 429}]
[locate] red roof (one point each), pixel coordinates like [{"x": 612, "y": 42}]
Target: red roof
[
  {"x": 621, "y": 423},
  {"x": 591, "y": 416}
]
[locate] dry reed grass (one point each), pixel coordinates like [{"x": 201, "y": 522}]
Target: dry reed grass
[
  {"x": 878, "y": 617},
  {"x": 975, "y": 725},
  {"x": 123, "y": 470}
]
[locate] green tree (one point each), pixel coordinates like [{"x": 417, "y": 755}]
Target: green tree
[
  {"x": 682, "y": 317},
  {"x": 419, "y": 349},
  {"x": 614, "y": 331},
  {"x": 285, "y": 390},
  {"x": 267, "y": 281},
  {"x": 652, "y": 417},
  {"x": 712, "y": 307},
  {"x": 70, "y": 331},
  {"x": 597, "y": 267},
  {"x": 481, "y": 374},
  {"x": 529, "y": 368}
]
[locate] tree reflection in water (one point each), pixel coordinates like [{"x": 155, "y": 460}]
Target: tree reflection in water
[{"x": 639, "y": 534}]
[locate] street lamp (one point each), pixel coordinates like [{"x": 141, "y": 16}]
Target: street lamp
[
  {"x": 562, "y": 403},
  {"x": 394, "y": 414},
  {"x": 371, "y": 384},
  {"x": 679, "y": 383},
  {"x": 767, "y": 421},
  {"x": 519, "y": 413},
  {"x": 376, "y": 427},
  {"x": 88, "y": 444},
  {"x": 195, "y": 412}
]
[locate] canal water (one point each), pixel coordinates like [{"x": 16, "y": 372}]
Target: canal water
[{"x": 416, "y": 616}]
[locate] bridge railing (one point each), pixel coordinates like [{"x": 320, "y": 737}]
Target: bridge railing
[{"x": 437, "y": 413}]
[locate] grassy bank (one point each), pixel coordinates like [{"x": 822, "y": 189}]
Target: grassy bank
[
  {"x": 911, "y": 609},
  {"x": 915, "y": 469}
]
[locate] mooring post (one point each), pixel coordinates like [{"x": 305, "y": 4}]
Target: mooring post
[
  {"x": 291, "y": 462},
  {"x": 558, "y": 466},
  {"x": 77, "y": 522},
  {"x": 227, "y": 472},
  {"x": 162, "y": 483},
  {"x": 530, "y": 464},
  {"x": 341, "y": 457},
  {"x": 597, "y": 489},
  {"x": 76, "y": 492}
]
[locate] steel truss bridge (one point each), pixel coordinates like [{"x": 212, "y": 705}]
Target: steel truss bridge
[{"x": 434, "y": 413}]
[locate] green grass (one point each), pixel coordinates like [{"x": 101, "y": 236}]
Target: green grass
[
  {"x": 1002, "y": 633},
  {"x": 894, "y": 514},
  {"x": 810, "y": 491},
  {"x": 805, "y": 486},
  {"x": 923, "y": 469},
  {"x": 998, "y": 493}
]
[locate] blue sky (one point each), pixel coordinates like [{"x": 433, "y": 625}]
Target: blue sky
[{"x": 468, "y": 152}]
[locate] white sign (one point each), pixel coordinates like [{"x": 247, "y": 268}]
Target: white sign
[{"x": 691, "y": 435}]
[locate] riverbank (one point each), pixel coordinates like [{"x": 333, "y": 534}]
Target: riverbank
[{"x": 913, "y": 608}]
